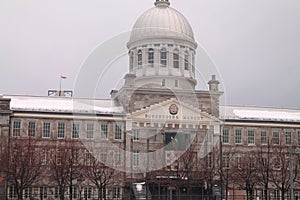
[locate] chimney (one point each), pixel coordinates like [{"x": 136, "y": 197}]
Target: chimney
[{"x": 213, "y": 84}]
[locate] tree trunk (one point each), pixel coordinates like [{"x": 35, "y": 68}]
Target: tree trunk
[
  {"x": 177, "y": 193},
  {"x": 282, "y": 194},
  {"x": 61, "y": 194},
  {"x": 266, "y": 191}
]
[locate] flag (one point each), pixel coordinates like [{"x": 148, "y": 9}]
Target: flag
[{"x": 63, "y": 77}]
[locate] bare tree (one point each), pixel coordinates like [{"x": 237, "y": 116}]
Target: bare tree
[
  {"x": 263, "y": 158},
  {"x": 244, "y": 173},
  {"x": 100, "y": 175},
  {"x": 21, "y": 163},
  {"x": 65, "y": 165},
  {"x": 280, "y": 175},
  {"x": 226, "y": 159}
]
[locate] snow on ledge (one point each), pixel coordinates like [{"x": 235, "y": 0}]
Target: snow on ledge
[
  {"x": 272, "y": 115},
  {"x": 62, "y": 104}
]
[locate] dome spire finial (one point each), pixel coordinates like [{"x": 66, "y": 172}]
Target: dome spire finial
[{"x": 162, "y": 3}]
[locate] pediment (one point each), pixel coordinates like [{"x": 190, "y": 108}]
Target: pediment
[{"x": 172, "y": 111}]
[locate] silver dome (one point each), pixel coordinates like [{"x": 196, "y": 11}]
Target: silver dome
[{"x": 161, "y": 22}]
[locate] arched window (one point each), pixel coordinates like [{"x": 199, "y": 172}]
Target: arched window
[
  {"x": 151, "y": 58},
  {"x": 140, "y": 59},
  {"x": 131, "y": 61},
  {"x": 163, "y": 57},
  {"x": 176, "y": 59},
  {"x": 186, "y": 61}
]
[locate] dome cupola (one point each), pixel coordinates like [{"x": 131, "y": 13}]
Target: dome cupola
[{"x": 162, "y": 49}]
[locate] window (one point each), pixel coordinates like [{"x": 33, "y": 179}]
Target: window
[
  {"x": 275, "y": 137},
  {"x": 163, "y": 83},
  {"x": 136, "y": 135},
  {"x": 151, "y": 58},
  {"x": 131, "y": 61},
  {"x": 117, "y": 192},
  {"x": 186, "y": 61},
  {"x": 117, "y": 157},
  {"x": 103, "y": 131},
  {"x": 118, "y": 132},
  {"x": 250, "y": 136},
  {"x": 263, "y": 137},
  {"x": 43, "y": 192},
  {"x": 140, "y": 59},
  {"x": 176, "y": 83},
  {"x": 103, "y": 157},
  {"x": 238, "y": 159},
  {"x": 58, "y": 156},
  {"x": 88, "y": 158},
  {"x": 176, "y": 59},
  {"x": 89, "y": 131},
  {"x": 56, "y": 192},
  {"x": 75, "y": 156},
  {"x": 225, "y": 136},
  {"x": 209, "y": 160},
  {"x": 28, "y": 192},
  {"x": 74, "y": 192},
  {"x": 163, "y": 57},
  {"x": 12, "y": 192},
  {"x": 225, "y": 160},
  {"x": 46, "y": 130},
  {"x": 87, "y": 192},
  {"x": 44, "y": 157},
  {"x": 136, "y": 160},
  {"x": 277, "y": 163},
  {"x": 75, "y": 130},
  {"x": 61, "y": 130},
  {"x": 31, "y": 129},
  {"x": 238, "y": 136},
  {"x": 276, "y": 194},
  {"x": 17, "y": 128},
  {"x": 288, "y": 138}
]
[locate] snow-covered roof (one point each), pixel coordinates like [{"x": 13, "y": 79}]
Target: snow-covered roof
[
  {"x": 63, "y": 104},
  {"x": 259, "y": 113}
]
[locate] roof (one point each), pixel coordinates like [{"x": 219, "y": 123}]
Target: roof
[
  {"x": 253, "y": 113},
  {"x": 63, "y": 104},
  {"x": 107, "y": 106},
  {"x": 162, "y": 21}
]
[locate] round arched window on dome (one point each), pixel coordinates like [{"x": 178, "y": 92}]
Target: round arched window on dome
[
  {"x": 176, "y": 59},
  {"x": 131, "y": 61},
  {"x": 151, "y": 57},
  {"x": 140, "y": 58},
  {"x": 186, "y": 61},
  {"x": 163, "y": 57}
]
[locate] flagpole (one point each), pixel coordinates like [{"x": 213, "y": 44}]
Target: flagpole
[{"x": 60, "y": 80}]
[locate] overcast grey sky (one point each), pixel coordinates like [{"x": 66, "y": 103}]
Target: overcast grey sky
[{"x": 255, "y": 44}]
